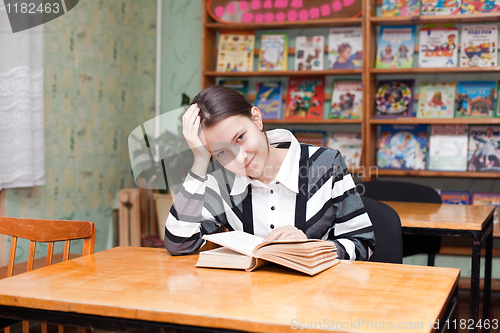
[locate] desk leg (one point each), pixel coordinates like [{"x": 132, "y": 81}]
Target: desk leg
[
  {"x": 487, "y": 276},
  {"x": 474, "y": 281}
]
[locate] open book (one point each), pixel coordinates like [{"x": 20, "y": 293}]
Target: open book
[{"x": 241, "y": 250}]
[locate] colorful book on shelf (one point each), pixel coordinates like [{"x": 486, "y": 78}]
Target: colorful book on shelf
[
  {"x": 273, "y": 52},
  {"x": 316, "y": 138},
  {"x": 305, "y": 98},
  {"x": 455, "y": 197},
  {"x": 402, "y": 147},
  {"x": 440, "y": 7},
  {"x": 391, "y": 8},
  {"x": 235, "y": 51},
  {"x": 269, "y": 99},
  {"x": 479, "y": 45},
  {"x": 394, "y": 98},
  {"x": 484, "y": 148},
  {"x": 436, "y": 100},
  {"x": 240, "y": 86},
  {"x": 309, "y": 53},
  {"x": 438, "y": 47},
  {"x": 345, "y": 48},
  {"x": 475, "y": 99},
  {"x": 497, "y": 114},
  {"x": 487, "y": 199},
  {"x": 241, "y": 250},
  {"x": 478, "y": 7},
  {"x": 347, "y": 99},
  {"x": 448, "y": 148},
  {"x": 395, "y": 48},
  {"x": 349, "y": 144}
]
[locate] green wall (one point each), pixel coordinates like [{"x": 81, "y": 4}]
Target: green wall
[{"x": 99, "y": 85}]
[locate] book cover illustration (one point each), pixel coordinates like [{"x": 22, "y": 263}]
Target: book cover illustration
[
  {"x": 448, "y": 148},
  {"x": 487, "y": 199},
  {"x": 305, "y": 98},
  {"x": 402, "y": 147},
  {"x": 440, "y": 7},
  {"x": 438, "y": 47},
  {"x": 394, "y": 99},
  {"x": 309, "y": 53},
  {"x": 269, "y": 99},
  {"x": 400, "y": 8},
  {"x": 235, "y": 52},
  {"x": 316, "y": 138},
  {"x": 395, "y": 47},
  {"x": 455, "y": 197},
  {"x": 484, "y": 148},
  {"x": 436, "y": 100},
  {"x": 347, "y": 99},
  {"x": 349, "y": 145},
  {"x": 240, "y": 86},
  {"x": 273, "y": 52},
  {"x": 345, "y": 48},
  {"x": 479, "y": 45},
  {"x": 498, "y": 100},
  {"x": 480, "y": 6},
  {"x": 475, "y": 99}
]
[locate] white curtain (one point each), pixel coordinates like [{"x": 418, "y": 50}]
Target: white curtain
[{"x": 22, "y": 161}]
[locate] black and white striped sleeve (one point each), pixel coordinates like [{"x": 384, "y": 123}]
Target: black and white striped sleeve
[
  {"x": 353, "y": 232},
  {"x": 198, "y": 210}
]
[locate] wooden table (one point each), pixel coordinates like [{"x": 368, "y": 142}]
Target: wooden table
[
  {"x": 146, "y": 290},
  {"x": 460, "y": 221}
]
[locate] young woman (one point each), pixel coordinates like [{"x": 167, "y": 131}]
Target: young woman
[{"x": 263, "y": 183}]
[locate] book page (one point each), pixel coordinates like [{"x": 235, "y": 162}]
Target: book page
[{"x": 238, "y": 241}]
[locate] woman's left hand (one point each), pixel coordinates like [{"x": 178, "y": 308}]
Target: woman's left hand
[{"x": 286, "y": 232}]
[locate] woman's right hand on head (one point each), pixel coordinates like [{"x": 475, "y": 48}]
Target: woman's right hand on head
[{"x": 191, "y": 129}]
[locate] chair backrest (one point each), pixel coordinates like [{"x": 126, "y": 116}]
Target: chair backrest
[
  {"x": 37, "y": 230},
  {"x": 388, "y": 233},
  {"x": 398, "y": 191}
]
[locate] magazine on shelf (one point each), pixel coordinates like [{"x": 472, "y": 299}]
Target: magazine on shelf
[
  {"x": 240, "y": 86},
  {"x": 345, "y": 48},
  {"x": 484, "y": 148},
  {"x": 475, "y": 99},
  {"x": 309, "y": 53},
  {"x": 455, "y": 197},
  {"x": 268, "y": 99},
  {"x": 241, "y": 250},
  {"x": 402, "y": 147},
  {"x": 395, "y": 48},
  {"x": 436, "y": 100},
  {"x": 273, "y": 52},
  {"x": 440, "y": 7},
  {"x": 479, "y": 45},
  {"x": 392, "y": 8},
  {"x": 235, "y": 51},
  {"x": 305, "y": 98},
  {"x": 478, "y": 7},
  {"x": 438, "y": 47},
  {"x": 349, "y": 144},
  {"x": 347, "y": 99},
  {"x": 448, "y": 148},
  {"x": 497, "y": 114},
  {"x": 312, "y": 137},
  {"x": 487, "y": 199},
  {"x": 394, "y": 98}
]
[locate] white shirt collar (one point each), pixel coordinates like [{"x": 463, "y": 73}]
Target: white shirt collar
[{"x": 288, "y": 175}]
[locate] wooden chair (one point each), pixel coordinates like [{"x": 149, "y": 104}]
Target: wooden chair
[{"x": 50, "y": 231}]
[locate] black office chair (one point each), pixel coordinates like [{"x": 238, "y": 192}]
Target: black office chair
[
  {"x": 388, "y": 233},
  {"x": 406, "y": 192}
]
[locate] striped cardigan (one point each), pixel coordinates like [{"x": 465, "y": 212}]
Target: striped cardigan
[{"x": 338, "y": 215}]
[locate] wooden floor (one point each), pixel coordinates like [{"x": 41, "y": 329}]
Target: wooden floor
[{"x": 464, "y": 296}]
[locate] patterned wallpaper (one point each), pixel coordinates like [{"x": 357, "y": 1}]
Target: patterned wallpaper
[{"x": 100, "y": 62}]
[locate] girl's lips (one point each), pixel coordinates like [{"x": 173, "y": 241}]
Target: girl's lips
[{"x": 246, "y": 166}]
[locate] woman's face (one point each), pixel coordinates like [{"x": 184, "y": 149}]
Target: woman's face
[{"x": 238, "y": 144}]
